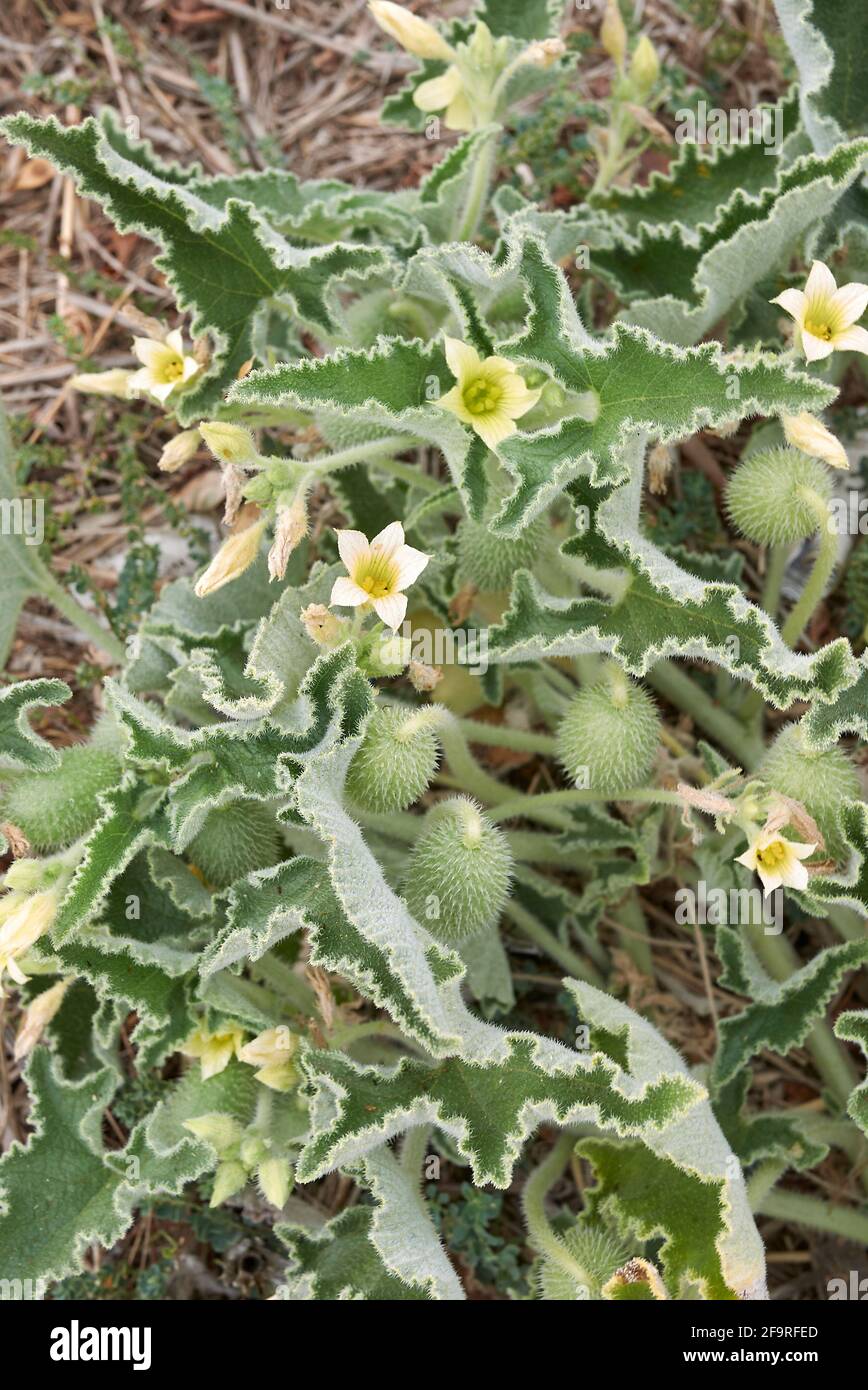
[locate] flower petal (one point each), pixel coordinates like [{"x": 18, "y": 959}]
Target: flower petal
[
  {"x": 438, "y": 92},
  {"x": 454, "y": 402},
  {"x": 795, "y": 875},
  {"x": 410, "y": 564},
  {"x": 801, "y": 851},
  {"x": 149, "y": 352},
  {"x": 517, "y": 398},
  {"x": 391, "y": 609},
  {"x": 390, "y": 539},
  {"x": 851, "y": 340},
  {"x": 494, "y": 428},
  {"x": 748, "y": 859},
  {"x": 770, "y": 881},
  {"x": 459, "y": 113},
  {"x": 815, "y": 349},
  {"x": 162, "y": 389},
  {"x": 352, "y": 547},
  {"x": 851, "y": 301},
  {"x": 463, "y": 360},
  {"x": 792, "y": 302},
  {"x": 821, "y": 283},
  {"x": 175, "y": 341},
  {"x": 347, "y": 594}
]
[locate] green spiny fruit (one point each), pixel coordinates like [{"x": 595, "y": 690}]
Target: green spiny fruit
[
  {"x": 488, "y": 561},
  {"x": 235, "y": 840},
  {"x": 460, "y": 868},
  {"x": 608, "y": 737},
  {"x": 821, "y": 781},
  {"x": 772, "y": 496},
  {"x": 54, "y": 808},
  {"x": 595, "y": 1252},
  {"x": 396, "y": 761}
]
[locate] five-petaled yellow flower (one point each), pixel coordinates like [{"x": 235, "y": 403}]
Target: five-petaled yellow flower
[
  {"x": 825, "y": 314},
  {"x": 214, "y": 1050},
  {"x": 777, "y": 861},
  {"x": 490, "y": 394},
  {"x": 446, "y": 93},
  {"x": 378, "y": 571},
  {"x": 164, "y": 365}
]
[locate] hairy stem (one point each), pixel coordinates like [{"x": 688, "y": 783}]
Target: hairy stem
[
  {"x": 542, "y": 1236},
  {"x": 824, "y": 563}
]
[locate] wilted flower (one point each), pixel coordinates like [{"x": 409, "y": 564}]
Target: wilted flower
[
  {"x": 806, "y": 432},
  {"x": 113, "y": 383},
  {"x": 37, "y": 1017},
  {"x": 379, "y": 571},
  {"x": 290, "y": 530},
  {"x": 234, "y": 556},
  {"x": 825, "y": 314},
  {"x": 321, "y": 625},
  {"x": 179, "y": 451}
]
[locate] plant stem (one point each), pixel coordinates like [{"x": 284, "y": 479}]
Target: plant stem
[
  {"x": 502, "y": 736},
  {"x": 546, "y": 1240},
  {"x": 565, "y": 956},
  {"x": 730, "y": 733},
  {"x": 776, "y": 564},
  {"x": 850, "y": 1222},
  {"x": 477, "y": 193},
  {"x": 81, "y": 617},
  {"x": 827, "y": 554},
  {"x": 522, "y": 804}
]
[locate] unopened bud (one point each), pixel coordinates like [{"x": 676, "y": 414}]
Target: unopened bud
[
  {"x": 230, "y": 443},
  {"x": 179, "y": 451},
  {"x": 37, "y": 1017},
  {"x": 644, "y": 68},
  {"x": 415, "y": 35},
  {"x": 613, "y": 33},
  {"x": 113, "y": 383},
  {"x": 235, "y": 556}
]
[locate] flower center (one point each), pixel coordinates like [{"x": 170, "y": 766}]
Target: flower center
[
  {"x": 378, "y": 575},
  {"x": 773, "y": 855},
  {"x": 482, "y": 397},
  {"x": 819, "y": 329},
  {"x": 173, "y": 369}
]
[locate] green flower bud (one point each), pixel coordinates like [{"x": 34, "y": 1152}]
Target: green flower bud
[
  {"x": 644, "y": 68},
  {"x": 460, "y": 868},
  {"x": 253, "y": 1150},
  {"x": 274, "y": 1176},
  {"x": 774, "y": 495},
  {"x": 235, "y": 840},
  {"x": 396, "y": 761},
  {"x": 258, "y": 489},
  {"x": 608, "y": 737},
  {"x": 222, "y": 1132},
  {"x": 229, "y": 1179},
  {"x": 53, "y": 808},
  {"x": 821, "y": 781},
  {"x": 489, "y": 562}
]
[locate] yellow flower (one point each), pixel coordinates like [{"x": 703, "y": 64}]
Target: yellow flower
[
  {"x": 272, "y": 1052},
  {"x": 178, "y": 451},
  {"x": 229, "y": 443},
  {"x": 806, "y": 432},
  {"x": 490, "y": 395},
  {"x": 416, "y": 35},
  {"x": 37, "y": 1016},
  {"x": 214, "y": 1050},
  {"x": 164, "y": 365},
  {"x": 233, "y": 558},
  {"x": 113, "y": 383},
  {"x": 777, "y": 861},
  {"x": 446, "y": 92},
  {"x": 22, "y": 928},
  {"x": 378, "y": 571},
  {"x": 825, "y": 314}
]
